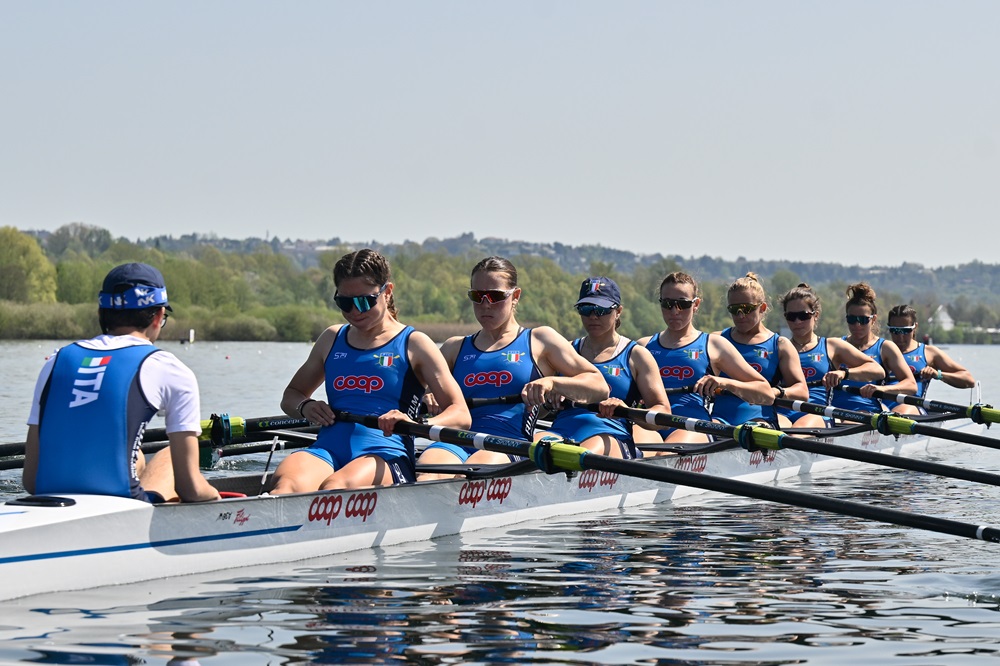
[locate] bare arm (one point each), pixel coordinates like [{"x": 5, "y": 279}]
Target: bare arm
[
  {"x": 433, "y": 371},
  {"x": 893, "y": 359},
  {"x": 30, "y": 459},
  {"x": 743, "y": 381},
  {"x": 189, "y": 482},
  {"x": 566, "y": 374},
  {"x": 650, "y": 385},
  {"x": 307, "y": 379},
  {"x": 859, "y": 366},
  {"x": 793, "y": 379},
  {"x": 941, "y": 366}
]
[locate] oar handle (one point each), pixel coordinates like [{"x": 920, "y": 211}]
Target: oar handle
[{"x": 979, "y": 413}]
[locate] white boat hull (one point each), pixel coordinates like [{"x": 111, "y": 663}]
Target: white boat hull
[{"x": 107, "y": 540}]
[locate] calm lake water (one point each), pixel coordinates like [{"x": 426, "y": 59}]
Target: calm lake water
[{"x": 705, "y": 581}]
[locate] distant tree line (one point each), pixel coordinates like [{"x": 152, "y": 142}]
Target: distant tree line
[{"x": 48, "y": 289}]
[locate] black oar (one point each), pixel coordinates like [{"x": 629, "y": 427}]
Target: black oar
[
  {"x": 516, "y": 398},
  {"x": 560, "y": 456},
  {"x": 749, "y": 435},
  {"x": 888, "y": 423},
  {"x": 978, "y": 413}
]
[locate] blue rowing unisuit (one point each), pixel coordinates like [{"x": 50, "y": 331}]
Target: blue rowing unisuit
[
  {"x": 844, "y": 400},
  {"x": 762, "y": 357},
  {"x": 369, "y": 381},
  {"x": 682, "y": 367}
]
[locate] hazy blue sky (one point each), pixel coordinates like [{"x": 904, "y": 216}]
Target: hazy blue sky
[{"x": 856, "y": 132}]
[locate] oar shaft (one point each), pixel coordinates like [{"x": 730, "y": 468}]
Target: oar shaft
[
  {"x": 978, "y": 413},
  {"x": 792, "y": 498},
  {"x": 890, "y": 423},
  {"x": 575, "y": 458},
  {"x": 775, "y": 439}
]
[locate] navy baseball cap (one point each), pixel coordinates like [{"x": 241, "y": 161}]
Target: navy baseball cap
[
  {"x": 600, "y": 291},
  {"x": 133, "y": 287}
]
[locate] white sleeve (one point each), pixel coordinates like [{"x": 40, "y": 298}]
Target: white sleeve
[
  {"x": 43, "y": 378},
  {"x": 170, "y": 386}
]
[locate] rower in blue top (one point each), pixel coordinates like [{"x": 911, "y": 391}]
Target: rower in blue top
[
  {"x": 628, "y": 368},
  {"x": 707, "y": 364},
  {"x": 504, "y": 359},
  {"x": 770, "y": 354},
  {"x": 925, "y": 361},
  {"x": 372, "y": 365},
  {"x": 826, "y": 362},
  {"x": 862, "y": 324}
]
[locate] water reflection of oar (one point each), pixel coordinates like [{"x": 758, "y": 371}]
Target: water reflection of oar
[
  {"x": 559, "y": 456},
  {"x": 751, "y": 435},
  {"x": 978, "y": 413},
  {"x": 888, "y": 423}
]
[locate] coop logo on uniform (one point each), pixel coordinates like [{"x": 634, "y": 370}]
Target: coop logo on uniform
[{"x": 89, "y": 377}]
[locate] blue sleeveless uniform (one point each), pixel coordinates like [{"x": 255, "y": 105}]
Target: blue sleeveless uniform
[
  {"x": 495, "y": 374},
  {"x": 681, "y": 367},
  {"x": 92, "y": 416},
  {"x": 578, "y": 424},
  {"x": 816, "y": 362},
  {"x": 369, "y": 382},
  {"x": 917, "y": 360},
  {"x": 845, "y": 400},
  {"x": 762, "y": 357}
]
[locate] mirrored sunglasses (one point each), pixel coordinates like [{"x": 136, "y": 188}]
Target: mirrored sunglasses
[
  {"x": 858, "y": 319},
  {"x": 742, "y": 308},
  {"x": 679, "y": 303},
  {"x": 586, "y": 310},
  {"x": 362, "y": 303},
  {"x": 901, "y": 330},
  {"x": 489, "y": 295},
  {"x": 800, "y": 315}
]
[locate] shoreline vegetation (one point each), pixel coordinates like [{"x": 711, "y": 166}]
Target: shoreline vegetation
[{"x": 49, "y": 284}]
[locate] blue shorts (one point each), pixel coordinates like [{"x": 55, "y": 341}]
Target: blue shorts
[
  {"x": 153, "y": 497},
  {"x": 401, "y": 467},
  {"x": 463, "y": 452}
]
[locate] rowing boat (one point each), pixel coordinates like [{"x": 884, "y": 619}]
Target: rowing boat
[{"x": 73, "y": 542}]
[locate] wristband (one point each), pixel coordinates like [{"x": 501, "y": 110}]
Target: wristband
[
  {"x": 847, "y": 373},
  {"x": 302, "y": 405},
  {"x": 781, "y": 391},
  {"x": 940, "y": 375}
]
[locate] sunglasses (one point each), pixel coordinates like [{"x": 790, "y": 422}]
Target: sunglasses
[
  {"x": 742, "y": 308},
  {"x": 679, "y": 303},
  {"x": 489, "y": 295},
  {"x": 901, "y": 330},
  {"x": 800, "y": 315},
  {"x": 858, "y": 319},
  {"x": 362, "y": 303},
  {"x": 587, "y": 310},
  {"x": 166, "y": 316}
]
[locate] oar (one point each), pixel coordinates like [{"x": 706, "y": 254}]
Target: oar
[
  {"x": 888, "y": 423},
  {"x": 978, "y": 413},
  {"x": 516, "y": 398},
  {"x": 559, "y": 456},
  {"x": 749, "y": 435}
]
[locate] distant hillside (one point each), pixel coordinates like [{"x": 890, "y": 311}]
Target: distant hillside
[{"x": 974, "y": 282}]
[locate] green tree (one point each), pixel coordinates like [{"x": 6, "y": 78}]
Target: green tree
[
  {"x": 78, "y": 237},
  {"x": 26, "y": 274}
]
